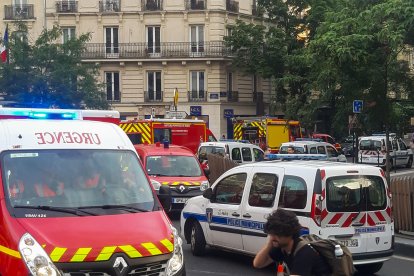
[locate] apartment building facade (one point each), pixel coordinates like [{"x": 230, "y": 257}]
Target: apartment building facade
[{"x": 148, "y": 48}]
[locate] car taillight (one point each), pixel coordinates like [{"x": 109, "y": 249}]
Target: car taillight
[{"x": 316, "y": 209}]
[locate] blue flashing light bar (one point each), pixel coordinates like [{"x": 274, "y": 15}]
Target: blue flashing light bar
[
  {"x": 297, "y": 156},
  {"x": 309, "y": 139},
  {"x": 52, "y": 114},
  {"x": 233, "y": 140}
]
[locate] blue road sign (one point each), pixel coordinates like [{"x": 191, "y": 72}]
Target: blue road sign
[
  {"x": 228, "y": 113},
  {"x": 358, "y": 104},
  {"x": 195, "y": 110}
]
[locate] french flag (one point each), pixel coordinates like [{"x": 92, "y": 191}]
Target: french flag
[{"x": 3, "y": 48}]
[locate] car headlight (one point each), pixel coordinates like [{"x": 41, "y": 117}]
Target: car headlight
[
  {"x": 204, "y": 186},
  {"x": 155, "y": 184},
  {"x": 176, "y": 263},
  {"x": 36, "y": 259}
]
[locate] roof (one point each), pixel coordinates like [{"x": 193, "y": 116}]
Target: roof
[
  {"x": 230, "y": 143},
  {"x": 302, "y": 143},
  {"x": 153, "y": 149},
  {"x": 310, "y": 165},
  {"x": 61, "y": 134}
]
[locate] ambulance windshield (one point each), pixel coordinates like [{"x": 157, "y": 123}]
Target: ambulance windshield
[
  {"x": 173, "y": 165},
  {"x": 53, "y": 179}
]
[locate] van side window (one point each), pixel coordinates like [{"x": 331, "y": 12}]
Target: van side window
[
  {"x": 313, "y": 150},
  {"x": 230, "y": 189},
  {"x": 258, "y": 155},
  {"x": 394, "y": 145},
  {"x": 293, "y": 193},
  {"x": 263, "y": 190},
  {"x": 403, "y": 146},
  {"x": 247, "y": 154},
  {"x": 321, "y": 150},
  {"x": 236, "y": 155}
]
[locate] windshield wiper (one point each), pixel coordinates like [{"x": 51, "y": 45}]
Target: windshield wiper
[
  {"x": 158, "y": 174},
  {"x": 74, "y": 211},
  {"x": 113, "y": 206}
]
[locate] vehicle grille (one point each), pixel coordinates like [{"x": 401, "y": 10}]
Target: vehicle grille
[{"x": 154, "y": 269}]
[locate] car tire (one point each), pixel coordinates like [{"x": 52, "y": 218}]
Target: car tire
[
  {"x": 368, "y": 269},
  {"x": 410, "y": 163},
  {"x": 197, "y": 239}
]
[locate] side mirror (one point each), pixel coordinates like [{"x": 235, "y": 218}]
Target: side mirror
[
  {"x": 164, "y": 195},
  {"x": 208, "y": 193},
  {"x": 206, "y": 171}
]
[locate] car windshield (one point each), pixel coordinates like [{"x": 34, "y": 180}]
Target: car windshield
[
  {"x": 370, "y": 145},
  {"x": 204, "y": 150},
  {"x": 75, "y": 179},
  {"x": 173, "y": 165},
  {"x": 297, "y": 150},
  {"x": 355, "y": 193}
]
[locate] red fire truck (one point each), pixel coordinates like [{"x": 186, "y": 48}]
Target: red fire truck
[{"x": 183, "y": 132}]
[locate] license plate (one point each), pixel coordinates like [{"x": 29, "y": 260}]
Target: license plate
[
  {"x": 179, "y": 200},
  {"x": 349, "y": 243}
]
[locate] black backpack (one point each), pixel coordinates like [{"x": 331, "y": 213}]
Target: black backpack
[{"x": 326, "y": 248}]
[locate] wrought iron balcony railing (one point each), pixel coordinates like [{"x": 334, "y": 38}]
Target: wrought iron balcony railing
[
  {"x": 232, "y": 96},
  {"x": 150, "y": 51},
  {"x": 232, "y": 6},
  {"x": 197, "y": 96},
  {"x": 195, "y": 4},
  {"x": 18, "y": 12},
  {"x": 66, "y": 6},
  {"x": 151, "y": 5},
  {"x": 153, "y": 96},
  {"x": 110, "y": 6}
]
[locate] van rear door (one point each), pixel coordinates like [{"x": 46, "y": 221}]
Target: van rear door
[{"x": 355, "y": 210}]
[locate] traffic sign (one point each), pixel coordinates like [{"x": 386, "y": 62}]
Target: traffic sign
[
  {"x": 228, "y": 113},
  {"x": 176, "y": 114},
  {"x": 358, "y": 105},
  {"x": 195, "y": 110}
]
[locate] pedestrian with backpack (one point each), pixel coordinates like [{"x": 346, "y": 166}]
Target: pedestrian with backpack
[{"x": 283, "y": 237}]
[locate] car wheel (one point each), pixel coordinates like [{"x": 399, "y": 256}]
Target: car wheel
[
  {"x": 368, "y": 269},
  {"x": 410, "y": 163},
  {"x": 197, "y": 240}
]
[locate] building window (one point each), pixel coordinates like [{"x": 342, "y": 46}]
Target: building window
[
  {"x": 154, "y": 85},
  {"x": 68, "y": 33},
  {"x": 112, "y": 86},
  {"x": 197, "y": 38},
  {"x": 229, "y": 81},
  {"x": 153, "y": 39},
  {"x": 20, "y": 36},
  {"x": 111, "y": 40},
  {"x": 229, "y": 30},
  {"x": 197, "y": 85}
]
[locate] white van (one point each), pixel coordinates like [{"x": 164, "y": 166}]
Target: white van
[
  {"x": 346, "y": 202},
  {"x": 239, "y": 152},
  {"x": 372, "y": 150},
  {"x": 313, "y": 147}
]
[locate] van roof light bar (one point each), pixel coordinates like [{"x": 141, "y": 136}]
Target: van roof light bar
[
  {"x": 309, "y": 139},
  {"x": 297, "y": 156},
  {"x": 233, "y": 140}
]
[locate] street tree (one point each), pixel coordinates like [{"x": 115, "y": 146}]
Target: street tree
[{"x": 49, "y": 73}]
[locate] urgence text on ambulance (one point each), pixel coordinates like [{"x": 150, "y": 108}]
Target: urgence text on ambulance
[{"x": 67, "y": 138}]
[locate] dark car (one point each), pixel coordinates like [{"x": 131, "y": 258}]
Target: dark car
[{"x": 347, "y": 146}]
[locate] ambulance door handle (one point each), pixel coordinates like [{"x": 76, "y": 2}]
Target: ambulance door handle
[
  {"x": 247, "y": 215},
  {"x": 235, "y": 214}
]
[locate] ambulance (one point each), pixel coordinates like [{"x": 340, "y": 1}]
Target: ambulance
[
  {"x": 74, "y": 199},
  {"x": 345, "y": 202},
  {"x": 175, "y": 167},
  {"x": 182, "y": 132}
]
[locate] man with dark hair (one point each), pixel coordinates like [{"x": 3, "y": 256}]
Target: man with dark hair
[{"x": 283, "y": 231}]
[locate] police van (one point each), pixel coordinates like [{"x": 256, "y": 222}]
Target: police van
[
  {"x": 76, "y": 201},
  {"x": 372, "y": 150},
  {"x": 346, "y": 202},
  {"x": 312, "y": 146}
]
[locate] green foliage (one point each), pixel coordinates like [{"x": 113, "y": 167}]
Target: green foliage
[{"x": 48, "y": 73}]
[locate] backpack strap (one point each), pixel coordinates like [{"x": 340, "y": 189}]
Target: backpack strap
[{"x": 299, "y": 246}]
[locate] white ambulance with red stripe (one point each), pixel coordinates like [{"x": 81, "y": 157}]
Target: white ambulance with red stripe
[
  {"x": 346, "y": 202},
  {"x": 74, "y": 199}
]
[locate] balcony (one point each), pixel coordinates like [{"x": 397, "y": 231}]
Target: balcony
[
  {"x": 165, "y": 50},
  {"x": 109, "y": 6},
  {"x": 232, "y": 96},
  {"x": 151, "y": 5},
  {"x": 18, "y": 12},
  {"x": 232, "y": 6},
  {"x": 66, "y": 6},
  {"x": 153, "y": 96},
  {"x": 197, "y": 96},
  {"x": 196, "y": 5}
]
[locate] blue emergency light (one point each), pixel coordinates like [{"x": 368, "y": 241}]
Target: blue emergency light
[
  {"x": 273, "y": 156},
  {"x": 45, "y": 114},
  {"x": 233, "y": 140},
  {"x": 309, "y": 139}
]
